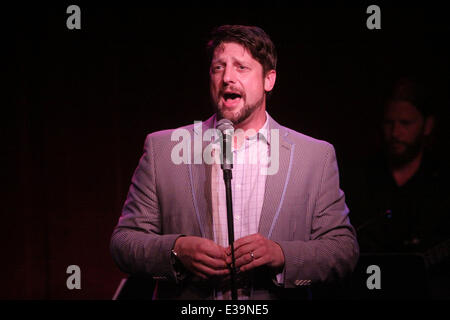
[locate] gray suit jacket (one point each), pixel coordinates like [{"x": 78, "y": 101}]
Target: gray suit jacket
[{"x": 304, "y": 211}]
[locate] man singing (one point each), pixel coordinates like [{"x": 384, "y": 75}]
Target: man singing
[{"x": 291, "y": 225}]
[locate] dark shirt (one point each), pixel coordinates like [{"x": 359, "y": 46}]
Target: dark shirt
[
  {"x": 404, "y": 229},
  {"x": 413, "y": 217}
]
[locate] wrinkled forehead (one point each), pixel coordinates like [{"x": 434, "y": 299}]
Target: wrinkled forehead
[{"x": 234, "y": 49}]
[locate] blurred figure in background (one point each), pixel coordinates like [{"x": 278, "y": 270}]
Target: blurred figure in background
[{"x": 399, "y": 201}]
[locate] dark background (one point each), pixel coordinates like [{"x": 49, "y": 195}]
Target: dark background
[{"x": 79, "y": 104}]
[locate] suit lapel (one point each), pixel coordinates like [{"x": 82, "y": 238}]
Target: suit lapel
[
  {"x": 276, "y": 184},
  {"x": 200, "y": 176}
]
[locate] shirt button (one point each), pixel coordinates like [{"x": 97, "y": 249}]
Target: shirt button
[{"x": 237, "y": 217}]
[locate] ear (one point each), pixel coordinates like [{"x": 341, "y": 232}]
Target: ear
[
  {"x": 429, "y": 125},
  {"x": 269, "y": 80}
]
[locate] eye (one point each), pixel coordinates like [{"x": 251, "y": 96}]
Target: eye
[
  {"x": 217, "y": 68},
  {"x": 241, "y": 67}
]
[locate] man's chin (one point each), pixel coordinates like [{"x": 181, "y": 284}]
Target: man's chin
[
  {"x": 398, "y": 160},
  {"x": 238, "y": 114},
  {"x": 233, "y": 116}
]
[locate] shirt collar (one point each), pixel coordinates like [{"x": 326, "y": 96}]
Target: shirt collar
[{"x": 262, "y": 134}]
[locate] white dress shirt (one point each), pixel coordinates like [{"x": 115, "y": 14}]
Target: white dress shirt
[{"x": 250, "y": 163}]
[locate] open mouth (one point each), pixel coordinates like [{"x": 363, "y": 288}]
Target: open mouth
[
  {"x": 231, "y": 99},
  {"x": 231, "y": 96}
]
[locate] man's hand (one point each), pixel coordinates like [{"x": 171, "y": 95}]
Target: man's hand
[
  {"x": 201, "y": 256},
  {"x": 254, "y": 250}
]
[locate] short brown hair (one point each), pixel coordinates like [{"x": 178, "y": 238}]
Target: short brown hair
[
  {"x": 252, "y": 38},
  {"x": 414, "y": 91}
]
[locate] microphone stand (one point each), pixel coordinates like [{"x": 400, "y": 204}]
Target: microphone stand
[
  {"x": 227, "y": 165},
  {"x": 227, "y": 176}
]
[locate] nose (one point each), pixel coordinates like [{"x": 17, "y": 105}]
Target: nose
[
  {"x": 229, "y": 75},
  {"x": 396, "y": 130},
  {"x": 392, "y": 130}
]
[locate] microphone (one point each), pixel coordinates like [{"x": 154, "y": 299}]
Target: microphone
[{"x": 226, "y": 127}]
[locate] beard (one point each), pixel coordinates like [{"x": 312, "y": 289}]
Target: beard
[
  {"x": 410, "y": 152},
  {"x": 240, "y": 115}
]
